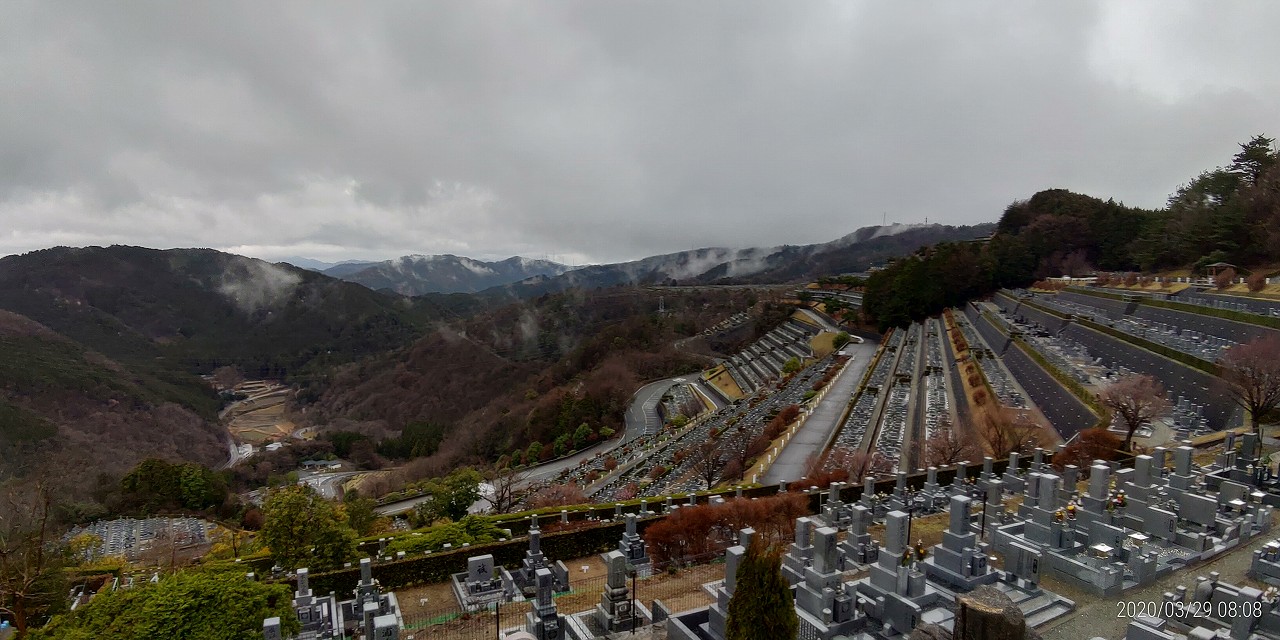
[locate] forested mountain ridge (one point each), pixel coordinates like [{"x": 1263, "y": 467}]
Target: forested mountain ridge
[
  {"x": 1228, "y": 214},
  {"x": 527, "y": 372},
  {"x": 196, "y": 309},
  {"x": 64, "y": 406}
]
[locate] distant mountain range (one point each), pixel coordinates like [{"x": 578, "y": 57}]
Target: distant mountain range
[
  {"x": 320, "y": 265},
  {"x": 857, "y": 251},
  {"x": 417, "y": 274},
  {"x": 523, "y": 277}
]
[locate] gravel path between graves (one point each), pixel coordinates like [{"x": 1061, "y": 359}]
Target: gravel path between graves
[{"x": 1096, "y": 617}]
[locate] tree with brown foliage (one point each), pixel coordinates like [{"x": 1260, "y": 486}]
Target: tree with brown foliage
[
  {"x": 695, "y": 532},
  {"x": 227, "y": 377},
  {"x": 1224, "y": 278},
  {"x": 1136, "y": 400},
  {"x": 557, "y": 495},
  {"x": 1252, "y": 374},
  {"x": 1091, "y": 444},
  {"x": 1256, "y": 281}
]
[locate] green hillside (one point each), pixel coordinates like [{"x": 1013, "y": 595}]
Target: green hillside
[
  {"x": 1231, "y": 213},
  {"x": 196, "y": 309}
]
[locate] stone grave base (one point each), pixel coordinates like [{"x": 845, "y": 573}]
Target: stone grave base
[
  {"x": 473, "y": 603},
  {"x": 585, "y": 622}
]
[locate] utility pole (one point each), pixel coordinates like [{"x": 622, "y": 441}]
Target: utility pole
[
  {"x": 634, "y": 619},
  {"x": 985, "y": 496}
]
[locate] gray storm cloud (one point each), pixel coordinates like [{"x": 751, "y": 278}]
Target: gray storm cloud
[{"x": 596, "y": 131}]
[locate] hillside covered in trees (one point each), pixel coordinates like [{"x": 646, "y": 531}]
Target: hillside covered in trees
[
  {"x": 1231, "y": 214},
  {"x": 66, "y": 407},
  {"x": 520, "y": 378}
]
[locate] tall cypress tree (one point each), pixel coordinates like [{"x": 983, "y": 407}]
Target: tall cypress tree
[{"x": 761, "y": 607}]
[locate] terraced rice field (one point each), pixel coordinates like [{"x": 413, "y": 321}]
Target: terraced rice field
[{"x": 261, "y": 417}]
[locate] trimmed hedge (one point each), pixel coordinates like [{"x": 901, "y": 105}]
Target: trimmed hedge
[
  {"x": 1097, "y": 294},
  {"x": 439, "y": 567},
  {"x": 1225, "y": 314},
  {"x": 1039, "y": 307},
  {"x": 1172, "y": 354},
  {"x": 566, "y": 545},
  {"x": 1065, "y": 380}
]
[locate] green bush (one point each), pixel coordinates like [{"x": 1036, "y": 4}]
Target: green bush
[
  {"x": 198, "y": 604},
  {"x": 470, "y": 530},
  {"x": 1172, "y": 354},
  {"x": 1225, "y": 314}
]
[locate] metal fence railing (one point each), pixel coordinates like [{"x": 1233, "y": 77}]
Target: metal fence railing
[{"x": 678, "y": 586}]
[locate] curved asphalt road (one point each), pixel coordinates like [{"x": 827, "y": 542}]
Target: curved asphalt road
[{"x": 641, "y": 418}]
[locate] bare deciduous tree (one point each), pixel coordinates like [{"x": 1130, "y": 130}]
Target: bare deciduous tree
[
  {"x": 508, "y": 488},
  {"x": 1076, "y": 264},
  {"x": 741, "y": 448},
  {"x": 31, "y": 582},
  {"x": 859, "y": 464},
  {"x": 1007, "y": 430},
  {"x": 1252, "y": 373},
  {"x": 1137, "y": 400},
  {"x": 708, "y": 460},
  {"x": 949, "y": 446}
]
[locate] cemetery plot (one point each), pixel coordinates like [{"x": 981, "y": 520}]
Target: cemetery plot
[
  {"x": 765, "y": 358},
  {"x": 677, "y": 459},
  {"x": 905, "y": 398},
  {"x": 130, "y": 538},
  {"x": 1146, "y": 523},
  {"x": 1232, "y": 303},
  {"x": 1093, "y": 357},
  {"x": 1001, "y": 381},
  {"x": 937, "y": 400}
]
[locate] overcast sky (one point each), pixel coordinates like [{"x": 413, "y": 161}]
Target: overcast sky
[{"x": 600, "y": 131}]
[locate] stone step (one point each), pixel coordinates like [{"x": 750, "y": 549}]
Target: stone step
[
  {"x": 1053, "y": 612},
  {"x": 1035, "y": 604}
]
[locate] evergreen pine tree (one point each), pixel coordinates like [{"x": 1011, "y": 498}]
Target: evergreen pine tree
[{"x": 761, "y": 607}]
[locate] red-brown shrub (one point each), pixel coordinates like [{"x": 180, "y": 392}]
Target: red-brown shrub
[
  {"x": 693, "y": 532},
  {"x": 1256, "y": 282}
]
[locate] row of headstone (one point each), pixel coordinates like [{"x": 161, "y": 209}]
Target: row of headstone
[
  {"x": 1148, "y": 519},
  {"x": 1212, "y": 609},
  {"x": 524, "y": 580},
  {"x": 375, "y": 613}
]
